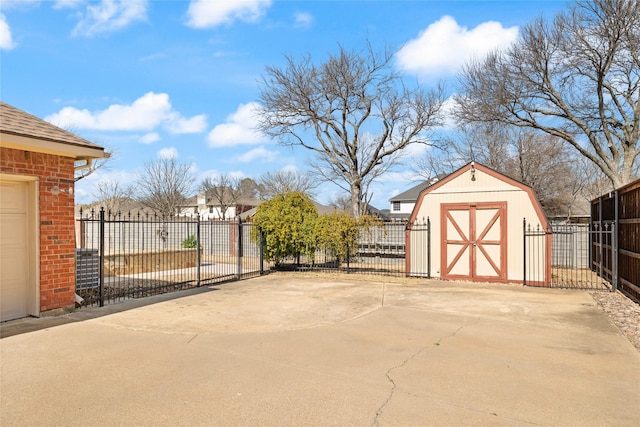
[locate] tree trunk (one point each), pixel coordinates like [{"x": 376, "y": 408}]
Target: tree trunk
[{"x": 356, "y": 198}]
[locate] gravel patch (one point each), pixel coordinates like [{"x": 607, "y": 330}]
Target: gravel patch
[{"x": 624, "y": 312}]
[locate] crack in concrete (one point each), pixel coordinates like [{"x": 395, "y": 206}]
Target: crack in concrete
[
  {"x": 437, "y": 343},
  {"x": 407, "y": 360},
  {"x": 393, "y": 386}
]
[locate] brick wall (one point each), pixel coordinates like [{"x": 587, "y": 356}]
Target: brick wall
[{"x": 57, "y": 239}]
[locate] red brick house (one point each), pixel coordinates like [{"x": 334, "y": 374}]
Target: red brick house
[{"x": 37, "y": 240}]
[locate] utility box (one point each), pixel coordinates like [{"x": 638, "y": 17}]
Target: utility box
[{"x": 87, "y": 268}]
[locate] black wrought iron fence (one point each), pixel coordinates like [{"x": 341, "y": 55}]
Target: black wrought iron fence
[
  {"x": 578, "y": 257},
  {"x": 119, "y": 257},
  {"x": 379, "y": 249}
]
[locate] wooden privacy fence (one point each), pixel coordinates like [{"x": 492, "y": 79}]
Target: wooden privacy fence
[{"x": 621, "y": 208}]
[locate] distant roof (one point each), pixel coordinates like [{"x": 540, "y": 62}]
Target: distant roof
[
  {"x": 326, "y": 210},
  {"x": 214, "y": 201},
  {"x": 411, "y": 195},
  {"x": 14, "y": 121}
]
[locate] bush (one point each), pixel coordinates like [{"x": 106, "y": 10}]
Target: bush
[
  {"x": 190, "y": 242},
  {"x": 338, "y": 233},
  {"x": 287, "y": 222}
]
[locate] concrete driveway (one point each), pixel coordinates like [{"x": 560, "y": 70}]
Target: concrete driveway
[{"x": 309, "y": 350}]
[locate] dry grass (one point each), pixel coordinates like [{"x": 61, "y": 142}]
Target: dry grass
[{"x": 582, "y": 278}]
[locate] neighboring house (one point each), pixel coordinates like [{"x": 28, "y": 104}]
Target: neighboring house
[
  {"x": 402, "y": 204},
  {"x": 210, "y": 208},
  {"x": 321, "y": 209},
  {"x": 37, "y": 240},
  {"x": 124, "y": 207}
]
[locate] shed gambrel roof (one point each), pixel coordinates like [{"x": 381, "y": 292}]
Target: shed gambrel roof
[
  {"x": 22, "y": 130},
  {"x": 480, "y": 167}
]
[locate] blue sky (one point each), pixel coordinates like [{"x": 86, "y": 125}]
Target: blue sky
[{"x": 181, "y": 78}]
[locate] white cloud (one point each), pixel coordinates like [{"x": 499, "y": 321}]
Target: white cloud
[
  {"x": 208, "y": 13},
  {"x": 448, "y": 106},
  {"x": 403, "y": 178},
  {"x": 19, "y": 4},
  {"x": 108, "y": 15},
  {"x": 146, "y": 113},
  {"x": 168, "y": 153},
  {"x": 180, "y": 125},
  {"x": 6, "y": 41},
  {"x": 445, "y": 46},
  {"x": 290, "y": 168},
  {"x": 67, "y": 4},
  {"x": 259, "y": 153},
  {"x": 150, "y": 138},
  {"x": 414, "y": 151},
  {"x": 303, "y": 19},
  {"x": 239, "y": 129}
]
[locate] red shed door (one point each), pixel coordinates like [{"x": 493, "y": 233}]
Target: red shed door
[{"x": 474, "y": 241}]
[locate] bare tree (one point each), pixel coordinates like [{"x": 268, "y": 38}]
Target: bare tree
[
  {"x": 223, "y": 190},
  {"x": 341, "y": 202},
  {"x": 84, "y": 168},
  {"x": 112, "y": 194},
  {"x": 576, "y": 78},
  {"x": 352, "y": 111},
  {"x": 286, "y": 181},
  {"x": 249, "y": 188},
  {"x": 544, "y": 163},
  {"x": 488, "y": 144},
  {"x": 536, "y": 159},
  {"x": 164, "y": 185}
]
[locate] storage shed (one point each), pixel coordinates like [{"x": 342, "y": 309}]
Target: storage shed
[{"x": 476, "y": 232}]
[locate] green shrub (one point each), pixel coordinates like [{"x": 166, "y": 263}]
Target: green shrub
[
  {"x": 287, "y": 222},
  {"x": 190, "y": 242},
  {"x": 338, "y": 233}
]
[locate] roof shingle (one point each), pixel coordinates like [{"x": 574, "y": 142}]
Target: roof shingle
[{"x": 17, "y": 122}]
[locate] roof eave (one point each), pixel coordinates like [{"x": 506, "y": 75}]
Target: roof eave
[{"x": 51, "y": 146}]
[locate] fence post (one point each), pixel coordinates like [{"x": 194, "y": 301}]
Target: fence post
[
  {"x": 524, "y": 251},
  {"x": 239, "y": 246},
  {"x": 101, "y": 246},
  {"x": 614, "y": 256},
  {"x": 428, "y": 247},
  {"x": 600, "y": 247},
  {"x": 261, "y": 249},
  {"x": 198, "y": 248}
]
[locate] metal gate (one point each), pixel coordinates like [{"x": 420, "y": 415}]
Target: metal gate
[{"x": 580, "y": 255}]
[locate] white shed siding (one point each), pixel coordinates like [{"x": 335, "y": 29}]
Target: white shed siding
[{"x": 485, "y": 188}]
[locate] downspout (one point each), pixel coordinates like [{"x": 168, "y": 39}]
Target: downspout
[
  {"x": 87, "y": 165},
  {"x": 89, "y": 162}
]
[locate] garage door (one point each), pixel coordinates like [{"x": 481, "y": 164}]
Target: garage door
[
  {"x": 474, "y": 243},
  {"x": 14, "y": 250}
]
